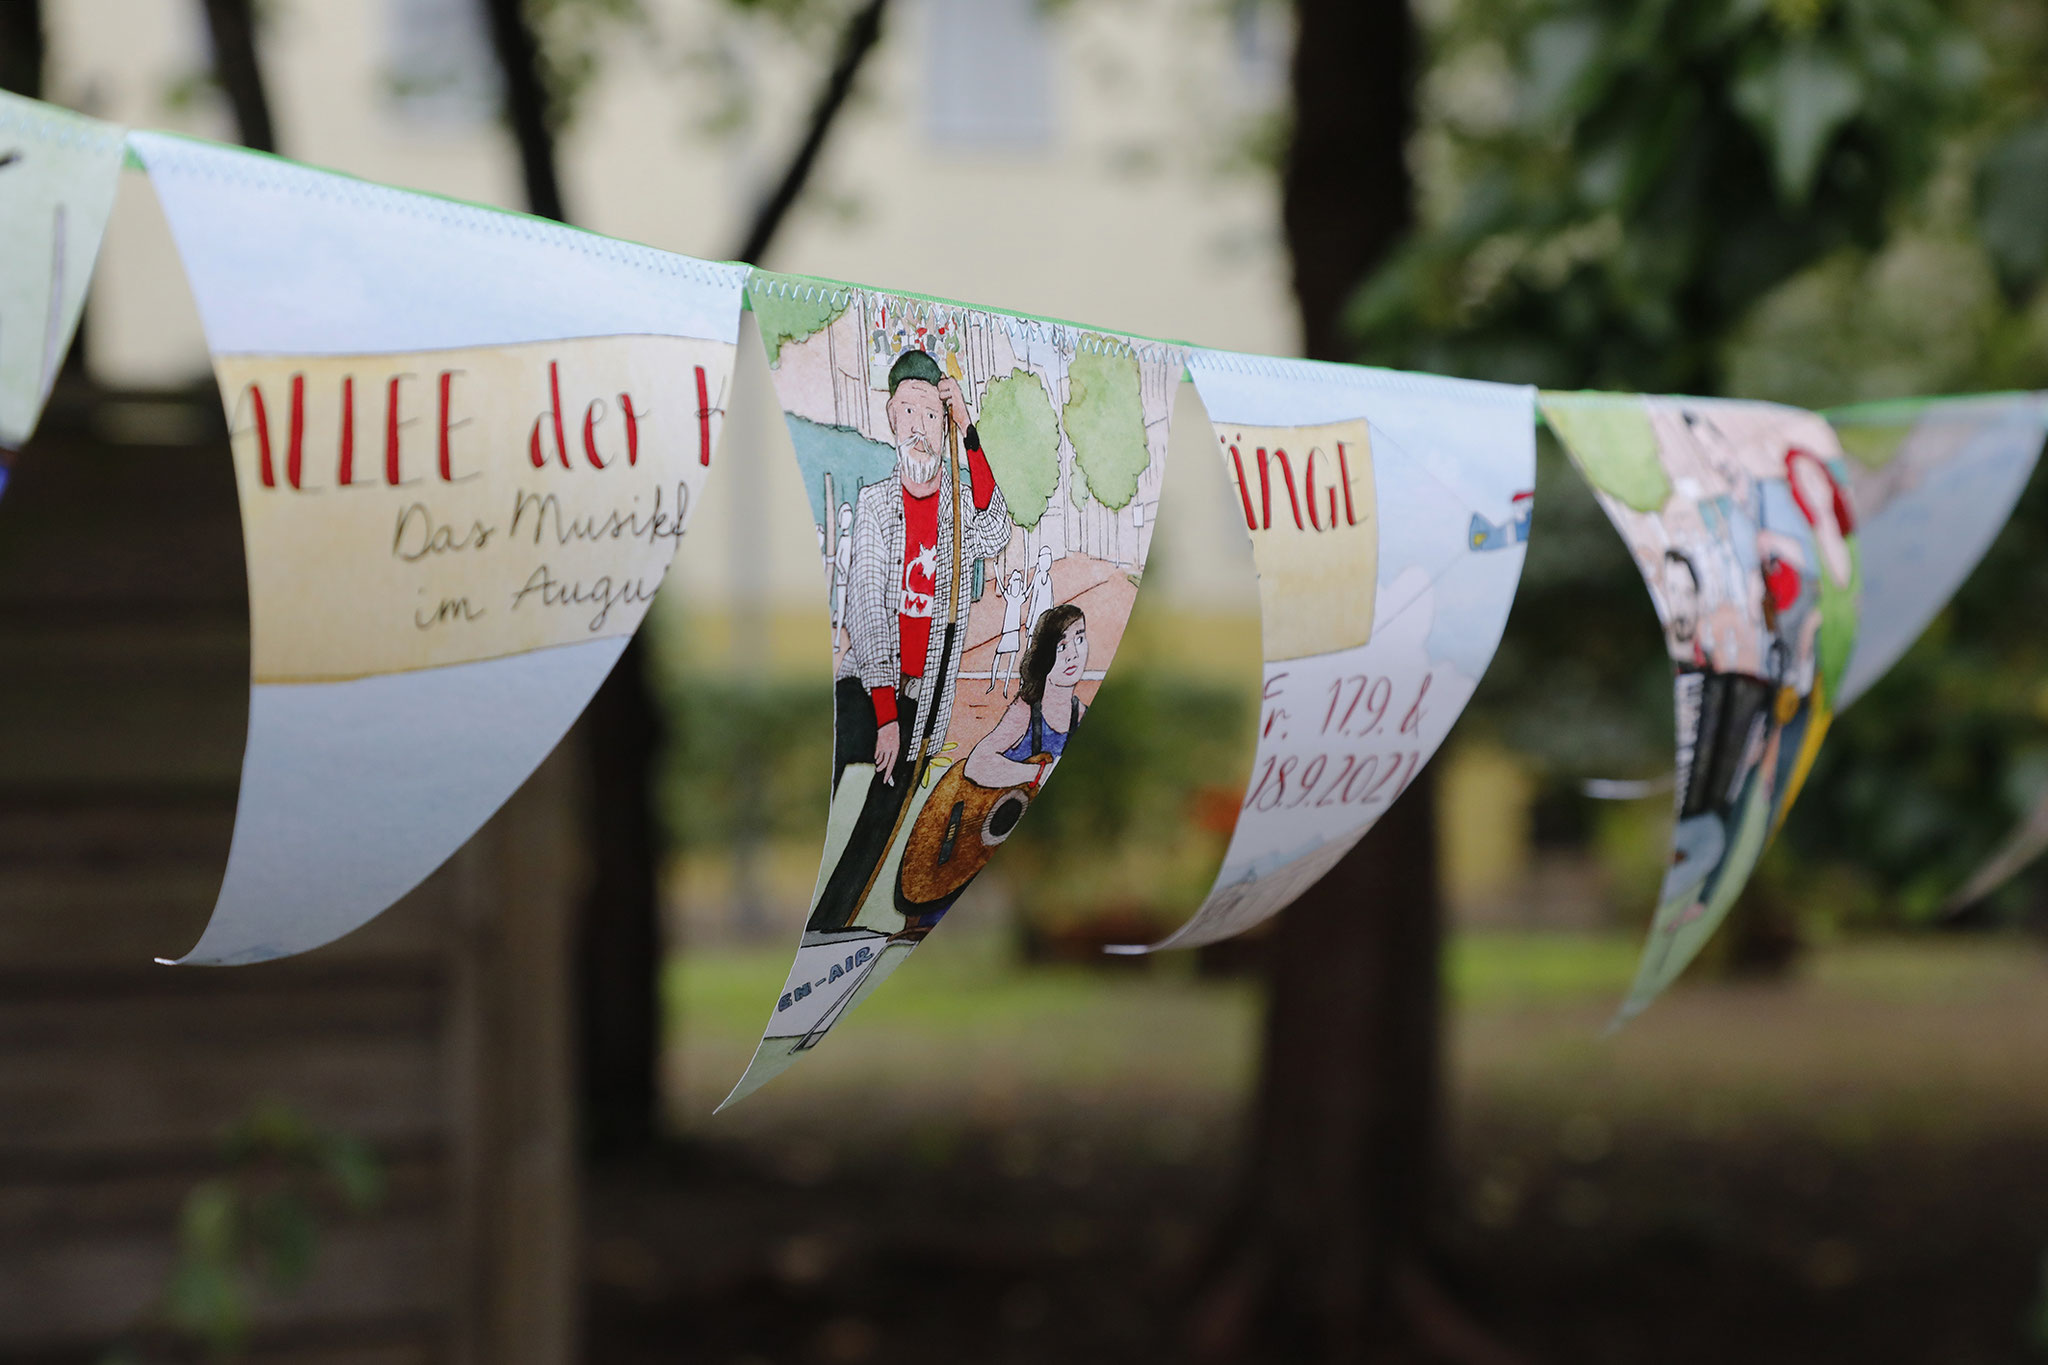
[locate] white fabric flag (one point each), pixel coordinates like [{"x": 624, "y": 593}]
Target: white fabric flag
[
  {"x": 466, "y": 443},
  {"x": 58, "y": 174},
  {"x": 1388, "y": 514},
  {"x": 1932, "y": 482}
]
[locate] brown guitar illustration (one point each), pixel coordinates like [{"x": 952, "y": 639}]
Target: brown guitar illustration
[
  {"x": 977, "y": 804},
  {"x": 962, "y": 824}
]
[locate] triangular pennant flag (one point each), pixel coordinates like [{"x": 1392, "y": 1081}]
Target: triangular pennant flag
[
  {"x": 985, "y": 487},
  {"x": 1932, "y": 481},
  {"x": 1739, "y": 519},
  {"x": 466, "y": 443},
  {"x": 1388, "y": 514},
  {"x": 2027, "y": 841},
  {"x": 58, "y": 174}
]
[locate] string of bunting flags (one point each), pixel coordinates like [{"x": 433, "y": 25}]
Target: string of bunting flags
[{"x": 494, "y": 430}]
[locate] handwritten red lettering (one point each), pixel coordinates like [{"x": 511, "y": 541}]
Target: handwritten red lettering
[
  {"x": 1344, "y": 479},
  {"x": 1413, "y": 720},
  {"x": 633, "y": 425},
  {"x": 592, "y": 415},
  {"x": 1317, "y": 500},
  {"x": 1278, "y": 457},
  {"x": 703, "y": 419},
  {"x": 290, "y": 470},
  {"x": 1308, "y": 492},
  {"x": 1273, "y": 689},
  {"x": 553, "y": 415},
  {"x": 264, "y": 469},
  {"x": 345, "y": 463},
  {"x": 294, "y": 452},
  {"x": 392, "y": 424},
  {"x": 446, "y": 463}
]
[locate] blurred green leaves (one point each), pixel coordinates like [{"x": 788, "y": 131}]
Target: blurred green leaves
[
  {"x": 255, "y": 1229},
  {"x": 2012, "y": 205},
  {"x": 574, "y": 36},
  {"x": 1797, "y": 98},
  {"x": 1671, "y": 162}
]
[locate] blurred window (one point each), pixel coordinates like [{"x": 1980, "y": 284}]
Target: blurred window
[
  {"x": 990, "y": 79},
  {"x": 439, "y": 66},
  {"x": 1262, "y": 34}
]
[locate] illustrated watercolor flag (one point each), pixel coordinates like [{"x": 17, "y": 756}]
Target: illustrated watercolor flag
[
  {"x": 1739, "y": 518},
  {"x": 984, "y": 487},
  {"x": 1932, "y": 481},
  {"x": 466, "y": 443},
  {"x": 1388, "y": 514},
  {"x": 58, "y": 174}
]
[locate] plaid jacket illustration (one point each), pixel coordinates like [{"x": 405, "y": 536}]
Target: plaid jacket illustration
[{"x": 873, "y": 586}]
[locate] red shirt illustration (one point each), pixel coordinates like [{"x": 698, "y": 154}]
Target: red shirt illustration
[
  {"x": 917, "y": 577},
  {"x": 920, "y": 580}
]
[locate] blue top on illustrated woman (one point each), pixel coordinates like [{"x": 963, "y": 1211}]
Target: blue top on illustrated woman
[{"x": 1042, "y": 738}]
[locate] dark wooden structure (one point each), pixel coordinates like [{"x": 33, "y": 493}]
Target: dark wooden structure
[{"x": 439, "y": 1034}]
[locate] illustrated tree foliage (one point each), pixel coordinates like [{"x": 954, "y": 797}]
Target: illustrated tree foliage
[
  {"x": 785, "y": 318},
  {"x": 1619, "y": 451},
  {"x": 1022, "y": 437},
  {"x": 1105, "y": 421}
]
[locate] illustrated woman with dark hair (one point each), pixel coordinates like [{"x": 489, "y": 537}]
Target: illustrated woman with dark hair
[
  {"x": 1032, "y": 734},
  {"x": 978, "y": 803}
]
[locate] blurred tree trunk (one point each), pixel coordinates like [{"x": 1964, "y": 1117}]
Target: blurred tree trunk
[
  {"x": 22, "y": 47},
  {"x": 238, "y": 71},
  {"x": 1325, "y": 1258},
  {"x": 1346, "y": 193},
  {"x": 619, "y": 740},
  {"x": 526, "y": 104},
  {"x": 863, "y": 30},
  {"x": 622, "y": 735}
]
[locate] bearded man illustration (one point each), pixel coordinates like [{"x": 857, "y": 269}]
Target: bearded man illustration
[{"x": 893, "y": 695}]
